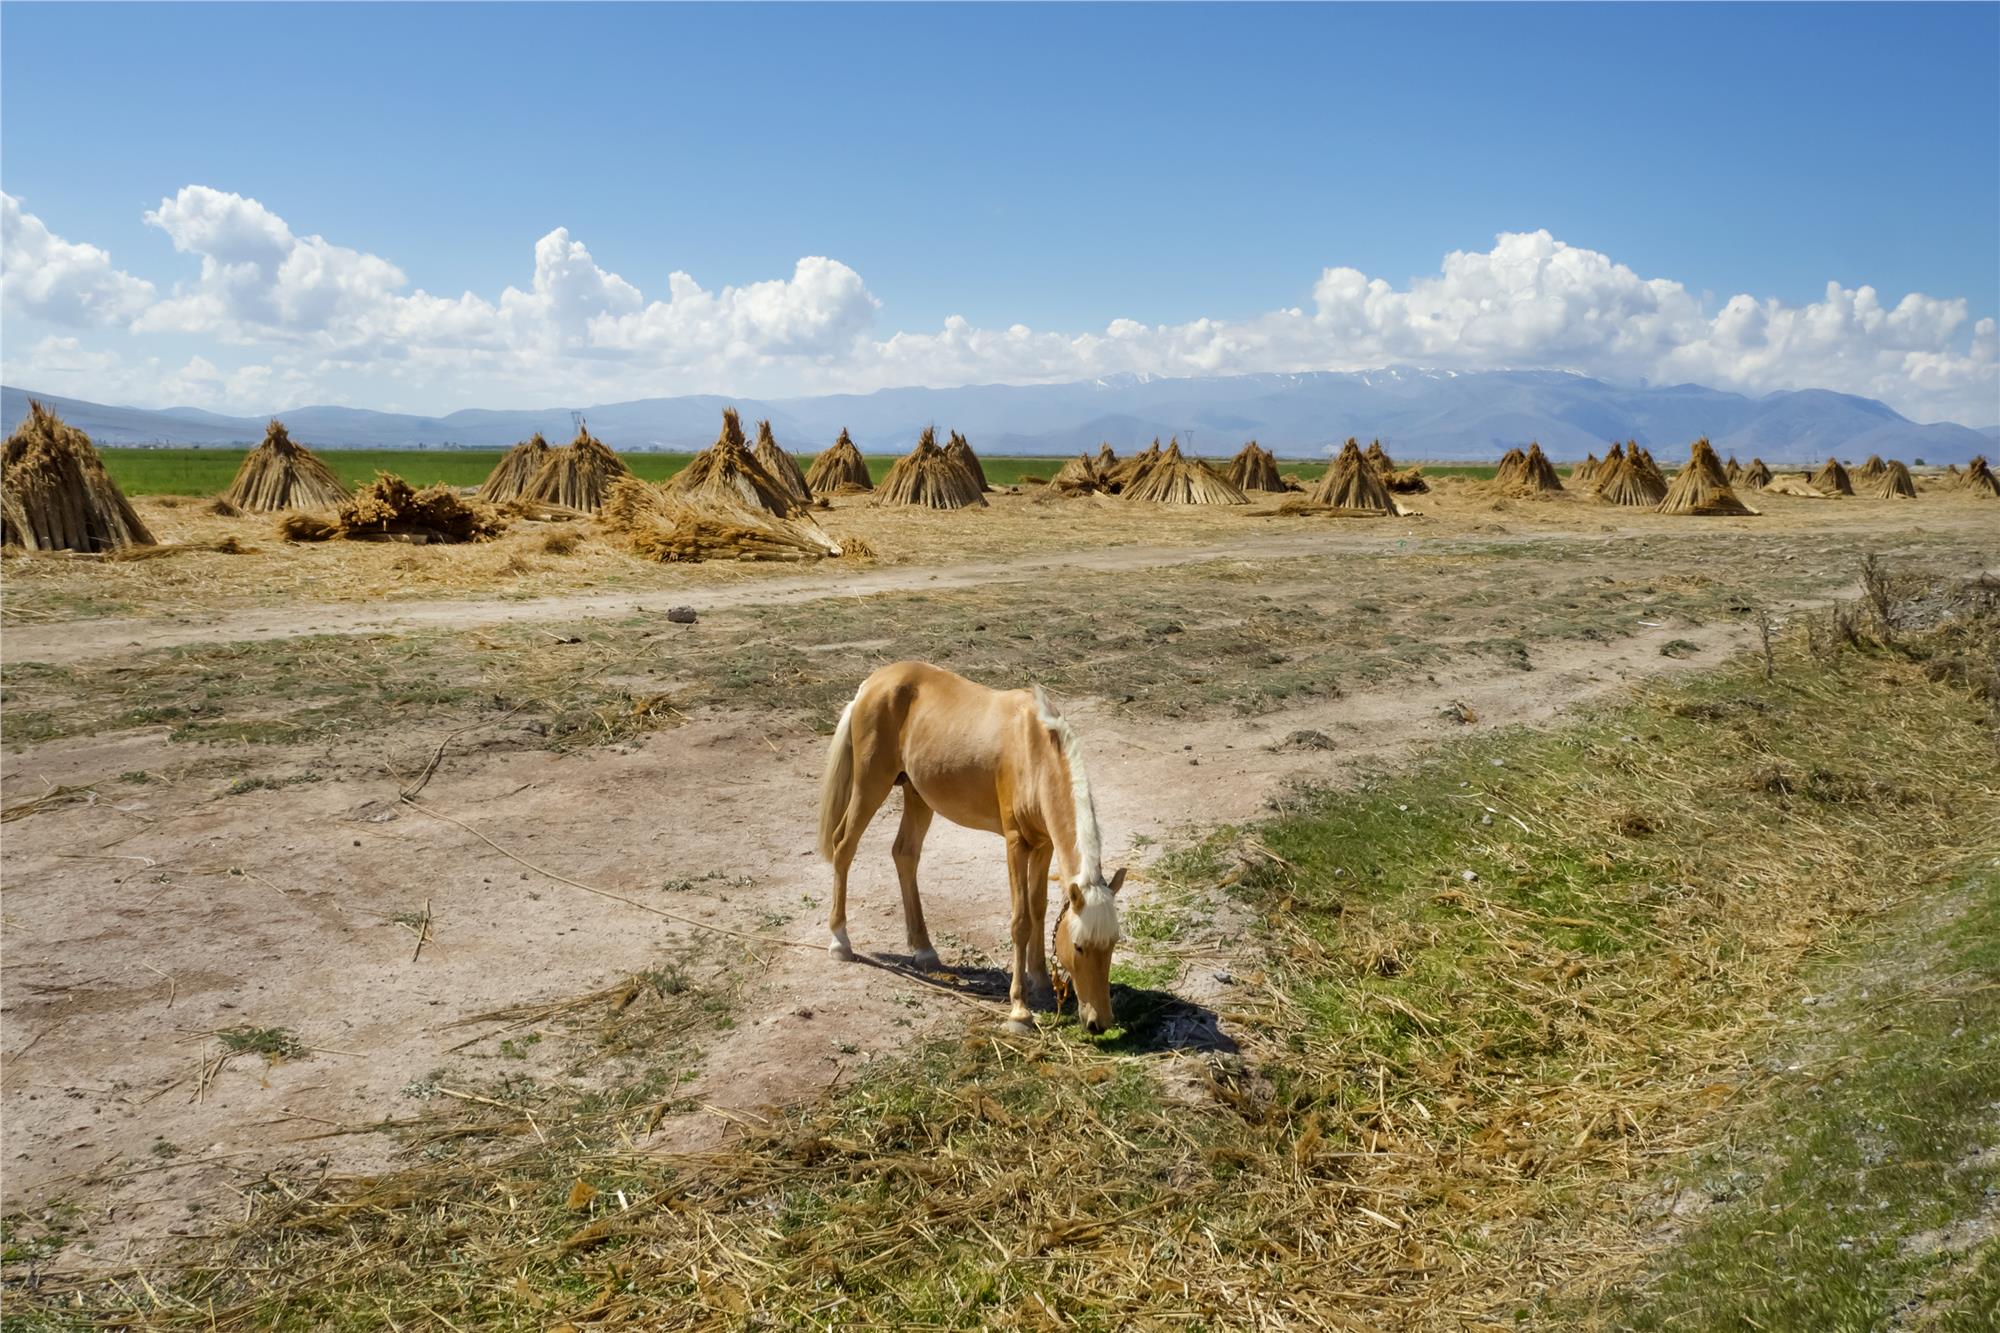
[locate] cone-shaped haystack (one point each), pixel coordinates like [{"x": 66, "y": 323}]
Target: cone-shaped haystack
[
  {"x": 1178, "y": 480},
  {"x": 1702, "y": 487},
  {"x": 727, "y": 471},
  {"x": 578, "y": 477},
  {"x": 780, "y": 466},
  {"x": 1733, "y": 470},
  {"x": 1581, "y": 474},
  {"x": 516, "y": 468},
  {"x": 55, "y": 494},
  {"x": 1979, "y": 478},
  {"x": 1529, "y": 473},
  {"x": 1832, "y": 478},
  {"x": 960, "y": 452},
  {"x": 839, "y": 466},
  {"x": 662, "y": 523},
  {"x": 1755, "y": 477},
  {"x": 1351, "y": 484},
  {"x": 1106, "y": 459},
  {"x": 1254, "y": 468},
  {"x": 1127, "y": 473},
  {"x": 1624, "y": 479},
  {"x": 1643, "y": 459},
  {"x": 1378, "y": 458},
  {"x": 278, "y": 474},
  {"x": 1891, "y": 483},
  {"x": 1079, "y": 476},
  {"x": 1871, "y": 469},
  {"x": 929, "y": 478},
  {"x": 389, "y": 508}
]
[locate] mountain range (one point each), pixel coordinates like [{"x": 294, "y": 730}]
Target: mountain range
[{"x": 1419, "y": 414}]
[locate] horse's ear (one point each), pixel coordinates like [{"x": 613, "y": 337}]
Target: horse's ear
[
  {"x": 1073, "y": 891},
  {"x": 1118, "y": 880}
]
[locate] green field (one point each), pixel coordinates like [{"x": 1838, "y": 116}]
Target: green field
[{"x": 207, "y": 471}]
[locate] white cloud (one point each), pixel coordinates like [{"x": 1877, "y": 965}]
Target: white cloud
[
  {"x": 340, "y": 322},
  {"x": 45, "y": 277}
]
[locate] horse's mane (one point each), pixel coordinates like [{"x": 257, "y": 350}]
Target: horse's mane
[{"x": 1097, "y": 924}]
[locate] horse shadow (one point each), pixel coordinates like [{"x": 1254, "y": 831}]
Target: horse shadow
[{"x": 1149, "y": 1021}]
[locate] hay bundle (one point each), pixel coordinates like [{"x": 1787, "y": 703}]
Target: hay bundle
[
  {"x": 960, "y": 452},
  {"x": 1378, "y": 458},
  {"x": 1106, "y": 459},
  {"x": 1351, "y": 486},
  {"x": 1702, "y": 488},
  {"x": 1755, "y": 477},
  {"x": 1732, "y": 470},
  {"x": 390, "y": 509},
  {"x": 1123, "y": 475},
  {"x": 55, "y": 494},
  {"x": 1871, "y": 469},
  {"x": 516, "y": 468},
  {"x": 278, "y": 474},
  {"x": 1979, "y": 478},
  {"x": 1892, "y": 483},
  {"x": 578, "y": 477},
  {"x": 1625, "y": 480},
  {"x": 1410, "y": 481},
  {"x": 839, "y": 466},
  {"x": 1832, "y": 479},
  {"x": 1529, "y": 473},
  {"x": 1079, "y": 476},
  {"x": 1643, "y": 459},
  {"x": 929, "y": 478},
  {"x": 1254, "y": 468},
  {"x": 1178, "y": 480},
  {"x": 728, "y": 472},
  {"x": 661, "y": 523},
  {"x": 781, "y": 467},
  {"x": 1582, "y": 472}
]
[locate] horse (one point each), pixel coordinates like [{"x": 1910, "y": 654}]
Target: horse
[{"x": 999, "y": 760}]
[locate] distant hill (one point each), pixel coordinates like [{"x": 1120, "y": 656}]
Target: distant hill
[{"x": 1429, "y": 414}]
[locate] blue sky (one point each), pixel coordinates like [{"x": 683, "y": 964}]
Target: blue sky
[{"x": 1060, "y": 168}]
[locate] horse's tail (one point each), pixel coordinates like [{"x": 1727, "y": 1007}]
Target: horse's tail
[{"x": 835, "y": 787}]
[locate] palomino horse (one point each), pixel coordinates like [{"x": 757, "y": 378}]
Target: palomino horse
[{"x": 998, "y": 760}]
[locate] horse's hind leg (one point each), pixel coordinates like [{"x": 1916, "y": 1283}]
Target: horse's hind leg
[
  {"x": 871, "y": 788},
  {"x": 909, "y": 847}
]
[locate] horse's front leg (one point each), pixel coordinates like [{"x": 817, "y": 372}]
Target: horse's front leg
[
  {"x": 1020, "y": 1019},
  {"x": 1041, "y": 993}
]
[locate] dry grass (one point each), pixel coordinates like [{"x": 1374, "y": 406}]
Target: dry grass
[{"x": 1448, "y": 1090}]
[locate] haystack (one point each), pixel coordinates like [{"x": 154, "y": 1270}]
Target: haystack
[
  {"x": 929, "y": 478},
  {"x": 661, "y": 523},
  {"x": 1755, "y": 477},
  {"x": 578, "y": 477},
  {"x": 1079, "y": 476},
  {"x": 1352, "y": 486},
  {"x": 1625, "y": 480},
  {"x": 1529, "y": 473},
  {"x": 1871, "y": 469},
  {"x": 838, "y": 466},
  {"x": 516, "y": 468},
  {"x": 727, "y": 471},
  {"x": 278, "y": 474},
  {"x": 1979, "y": 478},
  {"x": 55, "y": 494},
  {"x": 1106, "y": 459},
  {"x": 390, "y": 509},
  {"x": 960, "y": 452},
  {"x": 1410, "y": 481},
  {"x": 1581, "y": 474},
  {"x": 780, "y": 466},
  {"x": 1126, "y": 474},
  {"x": 1891, "y": 483},
  {"x": 1378, "y": 458},
  {"x": 1178, "y": 480},
  {"x": 1643, "y": 459},
  {"x": 1732, "y": 469},
  {"x": 1702, "y": 488},
  {"x": 1254, "y": 468},
  {"x": 1832, "y": 478}
]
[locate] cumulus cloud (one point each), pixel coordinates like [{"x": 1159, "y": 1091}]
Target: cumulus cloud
[
  {"x": 46, "y": 277},
  {"x": 322, "y": 314}
]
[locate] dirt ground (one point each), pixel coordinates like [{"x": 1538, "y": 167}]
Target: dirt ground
[{"x": 237, "y": 861}]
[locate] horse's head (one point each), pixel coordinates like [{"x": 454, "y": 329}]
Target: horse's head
[{"x": 1085, "y": 932}]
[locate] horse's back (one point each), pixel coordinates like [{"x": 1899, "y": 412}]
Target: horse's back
[{"x": 950, "y": 735}]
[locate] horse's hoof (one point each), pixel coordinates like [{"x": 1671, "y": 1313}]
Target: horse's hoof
[
  {"x": 1020, "y": 1027},
  {"x": 839, "y": 949},
  {"x": 926, "y": 960}
]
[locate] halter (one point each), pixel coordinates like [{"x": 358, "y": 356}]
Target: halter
[{"x": 1058, "y": 981}]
